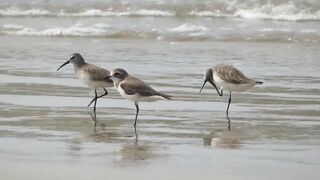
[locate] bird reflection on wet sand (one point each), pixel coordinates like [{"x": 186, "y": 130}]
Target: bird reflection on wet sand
[
  {"x": 95, "y": 122},
  {"x": 129, "y": 151},
  {"x": 225, "y": 139},
  {"x": 136, "y": 134},
  {"x": 103, "y": 135},
  {"x": 229, "y": 123},
  {"x": 134, "y": 152},
  {"x": 93, "y": 116}
]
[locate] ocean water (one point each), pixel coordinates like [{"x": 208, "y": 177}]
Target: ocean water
[
  {"x": 45, "y": 126},
  {"x": 191, "y": 20}
]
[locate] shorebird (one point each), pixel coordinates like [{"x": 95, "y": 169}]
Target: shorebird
[
  {"x": 229, "y": 78},
  {"x": 134, "y": 89},
  {"x": 93, "y": 76}
]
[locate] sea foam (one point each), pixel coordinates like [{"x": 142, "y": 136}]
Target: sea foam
[
  {"x": 28, "y": 12},
  {"x": 287, "y": 11},
  {"x": 188, "y": 28},
  {"x": 98, "y": 29}
]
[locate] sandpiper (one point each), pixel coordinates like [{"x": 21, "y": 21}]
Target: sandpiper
[
  {"x": 134, "y": 89},
  {"x": 93, "y": 76},
  {"x": 229, "y": 78}
]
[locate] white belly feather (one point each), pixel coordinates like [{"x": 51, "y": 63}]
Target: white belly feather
[{"x": 92, "y": 84}]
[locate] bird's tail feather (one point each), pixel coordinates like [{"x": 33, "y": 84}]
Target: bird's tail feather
[
  {"x": 259, "y": 82},
  {"x": 164, "y": 95}
]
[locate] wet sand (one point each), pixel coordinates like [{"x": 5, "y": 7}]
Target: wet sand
[{"x": 46, "y": 130}]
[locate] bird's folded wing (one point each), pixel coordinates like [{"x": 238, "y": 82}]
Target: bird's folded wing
[
  {"x": 96, "y": 73},
  {"x": 132, "y": 85},
  {"x": 231, "y": 74}
]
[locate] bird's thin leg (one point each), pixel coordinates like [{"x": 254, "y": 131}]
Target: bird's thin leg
[
  {"x": 95, "y": 102},
  {"x": 135, "y": 121},
  {"x": 91, "y": 102},
  {"x": 227, "y": 112},
  {"x": 97, "y": 97},
  {"x": 105, "y": 93}
]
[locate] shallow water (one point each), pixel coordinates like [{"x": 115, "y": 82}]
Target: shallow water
[
  {"x": 45, "y": 124},
  {"x": 47, "y": 132}
]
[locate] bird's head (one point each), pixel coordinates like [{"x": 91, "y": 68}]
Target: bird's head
[
  {"x": 117, "y": 75},
  {"x": 76, "y": 59},
  {"x": 208, "y": 77}
]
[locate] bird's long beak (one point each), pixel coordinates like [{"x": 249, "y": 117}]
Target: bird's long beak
[
  {"x": 107, "y": 78},
  {"x": 211, "y": 82},
  {"x": 67, "y": 62},
  {"x": 204, "y": 83}
]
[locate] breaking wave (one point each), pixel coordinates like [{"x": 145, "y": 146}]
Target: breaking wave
[
  {"x": 86, "y": 13},
  {"x": 294, "y": 10},
  {"x": 183, "y": 32},
  {"x": 98, "y": 29}
]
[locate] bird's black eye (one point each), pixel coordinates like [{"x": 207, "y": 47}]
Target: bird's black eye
[
  {"x": 72, "y": 57},
  {"x": 116, "y": 74}
]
